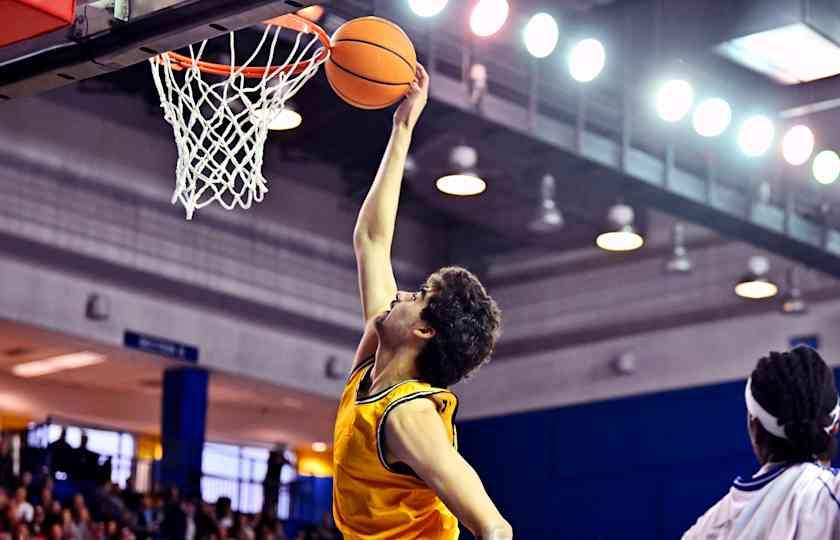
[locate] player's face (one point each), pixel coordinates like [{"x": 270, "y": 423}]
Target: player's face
[{"x": 403, "y": 316}]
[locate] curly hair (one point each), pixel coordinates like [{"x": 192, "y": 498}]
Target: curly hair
[
  {"x": 467, "y": 323},
  {"x": 798, "y": 388}
]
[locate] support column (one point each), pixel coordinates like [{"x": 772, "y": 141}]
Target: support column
[{"x": 183, "y": 422}]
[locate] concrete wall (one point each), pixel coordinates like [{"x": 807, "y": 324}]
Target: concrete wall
[{"x": 695, "y": 355}]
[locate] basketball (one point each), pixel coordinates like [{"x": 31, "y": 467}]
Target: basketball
[{"x": 372, "y": 64}]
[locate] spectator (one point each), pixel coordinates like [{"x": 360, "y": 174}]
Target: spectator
[
  {"x": 205, "y": 522},
  {"x": 5, "y": 509},
  {"x": 61, "y": 454},
  {"x": 87, "y": 462},
  {"x": 270, "y": 528},
  {"x": 7, "y": 471},
  {"x": 112, "y": 529},
  {"x": 46, "y": 499},
  {"x": 271, "y": 482},
  {"x": 37, "y": 525},
  {"x": 82, "y": 528},
  {"x": 26, "y": 482},
  {"x": 55, "y": 532},
  {"x": 224, "y": 513},
  {"x": 21, "y": 532},
  {"x": 148, "y": 518},
  {"x": 243, "y": 530},
  {"x": 23, "y": 510}
]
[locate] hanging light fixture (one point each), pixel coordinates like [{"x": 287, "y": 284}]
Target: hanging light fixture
[
  {"x": 679, "y": 262},
  {"x": 621, "y": 234},
  {"x": 548, "y": 217},
  {"x": 755, "y": 285},
  {"x": 464, "y": 182},
  {"x": 284, "y": 119},
  {"x": 792, "y": 302}
]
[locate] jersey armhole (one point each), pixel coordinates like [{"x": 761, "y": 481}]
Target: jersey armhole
[{"x": 363, "y": 364}]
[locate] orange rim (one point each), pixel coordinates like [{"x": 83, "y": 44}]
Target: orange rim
[{"x": 290, "y": 21}]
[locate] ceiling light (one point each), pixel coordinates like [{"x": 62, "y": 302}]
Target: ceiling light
[
  {"x": 792, "y": 302},
  {"x": 756, "y": 136},
  {"x": 826, "y": 167},
  {"x": 712, "y": 117},
  {"x": 55, "y": 364},
  {"x": 548, "y": 217},
  {"x": 461, "y": 185},
  {"x": 463, "y": 180},
  {"x": 587, "y": 60},
  {"x": 674, "y": 100},
  {"x": 798, "y": 145},
  {"x": 789, "y": 54},
  {"x": 311, "y": 13},
  {"x": 541, "y": 35},
  {"x": 756, "y": 285},
  {"x": 622, "y": 235},
  {"x": 679, "y": 262},
  {"x": 283, "y": 120},
  {"x": 488, "y": 17},
  {"x": 319, "y": 446},
  {"x": 427, "y": 8}
]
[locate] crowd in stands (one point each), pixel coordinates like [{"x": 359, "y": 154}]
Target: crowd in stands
[{"x": 34, "y": 506}]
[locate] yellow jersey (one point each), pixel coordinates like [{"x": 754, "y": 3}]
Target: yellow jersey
[{"x": 374, "y": 499}]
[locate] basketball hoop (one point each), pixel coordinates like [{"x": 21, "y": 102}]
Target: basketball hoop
[{"x": 221, "y": 127}]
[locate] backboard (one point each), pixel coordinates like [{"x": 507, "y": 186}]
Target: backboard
[{"x": 112, "y": 34}]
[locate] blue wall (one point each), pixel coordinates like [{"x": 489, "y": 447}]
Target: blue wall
[{"x": 643, "y": 467}]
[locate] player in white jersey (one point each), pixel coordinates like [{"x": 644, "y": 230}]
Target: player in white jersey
[{"x": 792, "y": 418}]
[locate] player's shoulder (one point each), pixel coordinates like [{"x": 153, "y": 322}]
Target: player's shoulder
[{"x": 414, "y": 408}]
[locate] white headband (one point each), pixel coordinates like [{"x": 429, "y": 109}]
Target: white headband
[{"x": 771, "y": 423}]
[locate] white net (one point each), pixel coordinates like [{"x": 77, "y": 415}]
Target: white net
[{"x": 221, "y": 126}]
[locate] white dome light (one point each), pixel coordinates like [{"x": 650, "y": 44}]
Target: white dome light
[
  {"x": 621, "y": 236},
  {"x": 756, "y": 136},
  {"x": 798, "y": 145},
  {"x": 712, "y": 117},
  {"x": 587, "y": 60},
  {"x": 756, "y": 285},
  {"x": 620, "y": 241},
  {"x": 541, "y": 35},
  {"x": 488, "y": 17},
  {"x": 674, "y": 100},
  {"x": 461, "y": 185},
  {"x": 826, "y": 167},
  {"x": 427, "y": 8},
  {"x": 285, "y": 119},
  {"x": 756, "y": 289}
]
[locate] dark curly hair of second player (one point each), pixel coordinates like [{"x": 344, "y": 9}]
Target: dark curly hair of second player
[{"x": 467, "y": 323}]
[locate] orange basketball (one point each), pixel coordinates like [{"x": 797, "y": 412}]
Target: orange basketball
[{"x": 372, "y": 64}]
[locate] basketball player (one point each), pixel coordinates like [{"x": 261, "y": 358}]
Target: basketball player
[
  {"x": 792, "y": 418},
  {"x": 398, "y": 474}
]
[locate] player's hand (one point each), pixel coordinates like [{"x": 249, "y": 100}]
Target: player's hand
[{"x": 414, "y": 102}]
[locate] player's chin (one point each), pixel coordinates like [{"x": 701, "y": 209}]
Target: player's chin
[{"x": 379, "y": 322}]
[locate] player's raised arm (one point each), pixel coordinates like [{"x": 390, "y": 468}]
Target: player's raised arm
[
  {"x": 416, "y": 436},
  {"x": 374, "y": 232}
]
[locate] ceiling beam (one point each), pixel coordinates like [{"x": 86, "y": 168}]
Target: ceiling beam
[
  {"x": 656, "y": 181},
  {"x": 810, "y": 98}
]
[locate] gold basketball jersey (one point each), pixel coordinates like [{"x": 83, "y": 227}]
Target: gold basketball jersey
[{"x": 374, "y": 499}]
